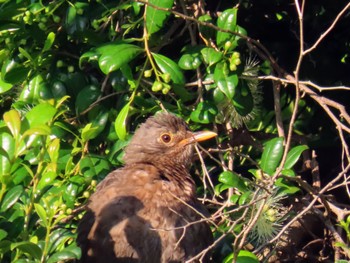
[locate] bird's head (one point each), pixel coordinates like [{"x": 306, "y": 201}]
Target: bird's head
[{"x": 164, "y": 139}]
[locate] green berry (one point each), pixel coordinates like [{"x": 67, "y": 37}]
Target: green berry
[{"x": 157, "y": 86}]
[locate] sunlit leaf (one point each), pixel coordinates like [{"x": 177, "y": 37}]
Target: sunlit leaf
[
  {"x": 272, "y": 155},
  {"x": 227, "y": 20},
  {"x": 120, "y": 122},
  {"x": 13, "y": 122},
  {"x": 155, "y": 18},
  {"x": 294, "y": 155},
  {"x": 11, "y": 197}
]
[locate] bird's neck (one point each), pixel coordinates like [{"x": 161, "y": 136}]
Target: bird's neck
[{"x": 180, "y": 177}]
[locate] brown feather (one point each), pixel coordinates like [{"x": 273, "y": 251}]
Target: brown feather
[{"x": 140, "y": 213}]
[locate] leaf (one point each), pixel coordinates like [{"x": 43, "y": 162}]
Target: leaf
[
  {"x": 13, "y": 122},
  {"x": 227, "y": 20},
  {"x": 272, "y": 155},
  {"x": 49, "y": 41},
  {"x": 94, "y": 166},
  {"x": 4, "y": 86},
  {"x": 191, "y": 59},
  {"x": 46, "y": 180},
  {"x": 11, "y": 197},
  {"x": 13, "y": 72},
  {"x": 286, "y": 187},
  {"x": 206, "y": 32},
  {"x": 36, "y": 90},
  {"x": 232, "y": 180},
  {"x": 3, "y": 234},
  {"x": 293, "y": 155},
  {"x": 211, "y": 56},
  {"x": 7, "y": 153},
  {"x": 243, "y": 99},
  {"x": 40, "y": 115},
  {"x": 245, "y": 256},
  {"x": 62, "y": 256},
  {"x": 205, "y": 113},
  {"x": 167, "y": 65},
  {"x": 120, "y": 122},
  {"x": 112, "y": 56},
  {"x": 155, "y": 18},
  {"x": 41, "y": 213},
  {"x": 225, "y": 80},
  {"x": 28, "y": 247},
  {"x": 53, "y": 149},
  {"x": 86, "y": 97}
]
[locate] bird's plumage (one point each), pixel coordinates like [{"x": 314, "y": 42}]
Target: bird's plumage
[{"x": 147, "y": 211}]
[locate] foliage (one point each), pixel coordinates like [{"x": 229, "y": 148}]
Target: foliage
[{"x": 77, "y": 77}]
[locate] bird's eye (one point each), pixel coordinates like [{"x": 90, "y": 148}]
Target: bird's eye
[{"x": 166, "y": 137}]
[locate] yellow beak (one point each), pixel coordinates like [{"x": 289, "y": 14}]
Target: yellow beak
[{"x": 198, "y": 137}]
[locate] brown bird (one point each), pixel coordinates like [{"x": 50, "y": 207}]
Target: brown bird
[{"x": 147, "y": 211}]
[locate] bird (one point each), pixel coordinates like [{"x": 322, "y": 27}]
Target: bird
[{"x": 147, "y": 211}]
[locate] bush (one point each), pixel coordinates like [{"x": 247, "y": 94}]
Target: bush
[{"x": 78, "y": 77}]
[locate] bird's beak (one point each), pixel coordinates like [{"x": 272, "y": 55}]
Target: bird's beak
[{"x": 198, "y": 137}]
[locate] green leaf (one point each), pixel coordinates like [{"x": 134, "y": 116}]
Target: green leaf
[
  {"x": 88, "y": 132},
  {"x": 40, "y": 210},
  {"x": 37, "y": 89},
  {"x": 288, "y": 172},
  {"x": 243, "y": 99},
  {"x": 293, "y": 155},
  {"x": 167, "y": 65},
  {"x": 46, "y": 180},
  {"x": 62, "y": 256},
  {"x": 86, "y": 97},
  {"x": 211, "y": 56},
  {"x": 11, "y": 197},
  {"x": 28, "y": 247},
  {"x": 205, "y": 113},
  {"x": 49, "y": 41},
  {"x": 3, "y": 234},
  {"x": 13, "y": 122},
  {"x": 4, "y": 86},
  {"x": 13, "y": 72},
  {"x": 232, "y": 180},
  {"x": 225, "y": 80},
  {"x": 120, "y": 122},
  {"x": 40, "y": 115},
  {"x": 155, "y": 18},
  {"x": 113, "y": 56},
  {"x": 245, "y": 256},
  {"x": 191, "y": 58},
  {"x": 285, "y": 187},
  {"x": 53, "y": 149},
  {"x": 227, "y": 20},
  {"x": 272, "y": 155},
  {"x": 207, "y": 32},
  {"x": 93, "y": 166},
  {"x": 7, "y": 153}
]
